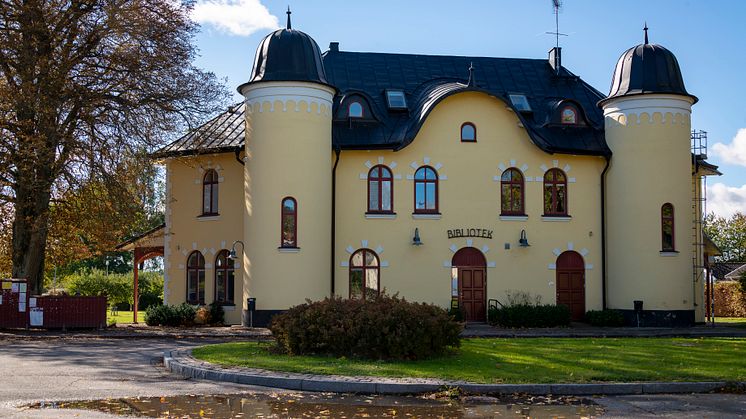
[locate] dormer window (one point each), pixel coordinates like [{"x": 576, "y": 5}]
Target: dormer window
[
  {"x": 520, "y": 103},
  {"x": 396, "y": 100},
  {"x": 355, "y": 110},
  {"x": 569, "y": 116}
]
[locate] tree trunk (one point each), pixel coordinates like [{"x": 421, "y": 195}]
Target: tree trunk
[{"x": 30, "y": 228}]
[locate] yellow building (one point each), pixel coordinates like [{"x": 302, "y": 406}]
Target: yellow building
[{"x": 459, "y": 181}]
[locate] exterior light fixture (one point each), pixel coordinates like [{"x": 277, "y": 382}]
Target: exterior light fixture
[
  {"x": 232, "y": 255},
  {"x": 523, "y": 241},
  {"x": 416, "y": 241}
]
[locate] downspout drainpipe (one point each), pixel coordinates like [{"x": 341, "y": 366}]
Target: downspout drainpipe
[
  {"x": 603, "y": 232},
  {"x": 337, "y": 152}
]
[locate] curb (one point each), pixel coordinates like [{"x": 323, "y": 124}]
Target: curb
[
  {"x": 131, "y": 336},
  {"x": 183, "y": 364}
]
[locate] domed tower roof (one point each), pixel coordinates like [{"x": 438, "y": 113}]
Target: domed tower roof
[
  {"x": 647, "y": 68},
  {"x": 288, "y": 55}
]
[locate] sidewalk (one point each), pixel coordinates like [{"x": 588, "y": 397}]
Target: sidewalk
[{"x": 141, "y": 331}]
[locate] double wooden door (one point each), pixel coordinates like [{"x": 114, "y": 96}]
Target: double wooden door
[{"x": 471, "y": 269}]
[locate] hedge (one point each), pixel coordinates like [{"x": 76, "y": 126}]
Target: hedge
[{"x": 730, "y": 301}]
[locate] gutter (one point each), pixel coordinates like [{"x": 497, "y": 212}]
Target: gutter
[
  {"x": 337, "y": 152},
  {"x": 603, "y": 232}
]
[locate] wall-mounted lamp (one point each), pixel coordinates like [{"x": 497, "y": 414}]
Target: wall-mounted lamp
[
  {"x": 416, "y": 241},
  {"x": 232, "y": 255},
  {"x": 523, "y": 241}
]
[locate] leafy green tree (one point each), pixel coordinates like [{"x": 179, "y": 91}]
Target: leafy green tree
[{"x": 729, "y": 234}]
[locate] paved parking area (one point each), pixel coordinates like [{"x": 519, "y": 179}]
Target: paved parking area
[{"x": 33, "y": 370}]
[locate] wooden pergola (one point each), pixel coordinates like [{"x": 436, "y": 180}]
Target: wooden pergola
[{"x": 145, "y": 246}]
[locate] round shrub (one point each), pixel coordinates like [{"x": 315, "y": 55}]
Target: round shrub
[{"x": 386, "y": 327}]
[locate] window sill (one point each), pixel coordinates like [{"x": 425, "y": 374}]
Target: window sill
[
  {"x": 559, "y": 218},
  {"x": 380, "y": 215},
  {"x": 669, "y": 253},
  {"x": 514, "y": 218},
  {"x": 426, "y": 216},
  {"x": 208, "y": 217},
  {"x": 288, "y": 249}
]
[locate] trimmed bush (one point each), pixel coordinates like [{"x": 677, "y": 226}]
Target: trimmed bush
[
  {"x": 217, "y": 314},
  {"x": 167, "y": 315},
  {"x": 387, "y": 327},
  {"x": 527, "y": 315},
  {"x": 604, "y": 318},
  {"x": 729, "y": 300}
]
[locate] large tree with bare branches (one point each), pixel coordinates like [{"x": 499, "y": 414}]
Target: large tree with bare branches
[{"x": 82, "y": 84}]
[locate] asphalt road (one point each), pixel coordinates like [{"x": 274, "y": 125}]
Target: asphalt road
[{"x": 65, "y": 369}]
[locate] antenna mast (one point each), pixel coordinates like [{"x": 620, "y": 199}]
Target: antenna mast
[{"x": 556, "y": 4}]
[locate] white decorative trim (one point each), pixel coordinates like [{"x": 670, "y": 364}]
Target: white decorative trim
[
  {"x": 442, "y": 177},
  {"x": 496, "y": 178},
  {"x": 630, "y": 110},
  {"x": 453, "y": 248},
  {"x": 410, "y": 177},
  {"x": 557, "y": 251},
  {"x": 485, "y": 249},
  {"x": 552, "y": 266},
  {"x": 380, "y": 160},
  {"x": 524, "y": 168},
  {"x": 222, "y": 245},
  {"x": 266, "y": 94},
  {"x": 368, "y": 164},
  {"x": 414, "y": 166},
  {"x": 469, "y": 243},
  {"x": 393, "y": 166},
  {"x": 384, "y": 263},
  {"x": 212, "y": 250},
  {"x": 229, "y": 308},
  {"x": 447, "y": 264},
  {"x": 379, "y": 249},
  {"x": 397, "y": 176},
  {"x": 571, "y": 180},
  {"x": 208, "y": 265},
  {"x": 530, "y": 179},
  {"x": 345, "y": 263},
  {"x": 512, "y": 162},
  {"x": 364, "y": 244},
  {"x": 194, "y": 245},
  {"x": 570, "y": 246},
  {"x": 555, "y": 163},
  {"x": 567, "y": 168},
  {"x": 558, "y": 219},
  {"x": 426, "y": 160},
  {"x": 426, "y": 216},
  {"x": 181, "y": 266},
  {"x": 363, "y": 176},
  {"x": 543, "y": 168},
  {"x": 501, "y": 167},
  {"x": 583, "y": 252},
  {"x": 184, "y": 252},
  {"x": 492, "y": 264},
  {"x": 350, "y": 250},
  {"x": 438, "y": 166},
  {"x": 288, "y": 249},
  {"x": 208, "y": 218},
  {"x": 380, "y": 216},
  {"x": 588, "y": 266},
  {"x": 513, "y": 217},
  {"x": 669, "y": 254}
]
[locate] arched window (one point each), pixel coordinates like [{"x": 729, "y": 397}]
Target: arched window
[
  {"x": 667, "y": 237},
  {"x": 380, "y": 190},
  {"x": 289, "y": 234},
  {"x": 355, "y": 109},
  {"x": 365, "y": 274},
  {"x": 224, "y": 278},
  {"x": 196, "y": 278},
  {"x": 468, "y": 132},
  {"x": 210, "y": 193},
  {"x": 569, "y": 115},
  {"x": 511, "y": 192},
  {"x": 426, "y": 190},
  {"x": 555, "y": 192}
]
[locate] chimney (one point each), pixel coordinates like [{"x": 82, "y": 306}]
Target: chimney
[
  {"x": 333, "y": 46},
  {"x": 555, "y": 59}
]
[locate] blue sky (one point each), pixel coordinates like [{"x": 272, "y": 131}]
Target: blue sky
[{"x": 707, "y": 37}]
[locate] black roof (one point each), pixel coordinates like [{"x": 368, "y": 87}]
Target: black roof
[
  {"x": 720, "y": 269},
  {"x": 428, "y": 79},
  {"x": 647, "y": 68}
]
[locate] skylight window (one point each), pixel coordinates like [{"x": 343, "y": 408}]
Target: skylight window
[
  {"x": 395, "y": 99},
  {"x": 520, "y": 103}
]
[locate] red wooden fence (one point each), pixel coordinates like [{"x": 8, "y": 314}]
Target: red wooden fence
[{"x": 19, "y": 310}]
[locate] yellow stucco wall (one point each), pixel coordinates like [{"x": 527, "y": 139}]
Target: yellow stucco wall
[
  {"x": 187, "y": 231},
  {"x": 651, "y": 166},
  {"x": 470, "y": 198}
]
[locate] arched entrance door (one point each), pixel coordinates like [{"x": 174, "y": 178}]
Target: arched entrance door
[
  {"x": 571, "y": 283},
  {"x": 470, "y": 268}
]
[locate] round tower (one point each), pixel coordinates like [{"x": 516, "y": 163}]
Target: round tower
[
  {"x": 288, "y": 180},
  {"x": 649, "y": 189}
]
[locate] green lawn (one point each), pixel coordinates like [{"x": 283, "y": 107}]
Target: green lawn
[
  {"x": 732, "y": 321},
  {"x": 124, "y": 317},
  {"x": 535, "y": 360}
]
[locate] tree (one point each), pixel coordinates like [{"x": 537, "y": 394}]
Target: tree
[
  {"x": 84, "y": 85},
  {"x": 729, "y": 234}
]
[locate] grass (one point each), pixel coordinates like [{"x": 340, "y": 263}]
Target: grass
[
  {"x": 124, "y": 317},
  {"x": 732, "y": 321},
  {"x": 534, "y": 360}
]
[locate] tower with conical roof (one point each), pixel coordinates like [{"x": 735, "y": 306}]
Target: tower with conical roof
[
  {"x": 649, "y": 188},
  {"x": 288, "y": 173}
]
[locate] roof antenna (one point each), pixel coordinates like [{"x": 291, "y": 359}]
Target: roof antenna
[
  {"x": 288, "y": 13},
  {"x": 556, "y": 4},
  {"x": 471, "y": 81},
  {"x": 646, "y": 32}
]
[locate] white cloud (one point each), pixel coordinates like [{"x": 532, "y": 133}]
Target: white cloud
[
  {"x": 726, "y": 200},
  {"x": 236, "y": 17},
  {"x": 735, "y": 152}
]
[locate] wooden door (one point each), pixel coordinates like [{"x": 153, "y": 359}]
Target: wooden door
[
  {"x": 571, "y": 283},
  {"x": 472, "y": 283}
]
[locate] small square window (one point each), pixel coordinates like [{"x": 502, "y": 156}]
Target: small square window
[
  {"x": 395, "y": 99},
  {"x": 520, "y": 103}
]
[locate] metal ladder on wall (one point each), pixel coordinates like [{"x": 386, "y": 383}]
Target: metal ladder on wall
[{"x": 699, "y": 211}]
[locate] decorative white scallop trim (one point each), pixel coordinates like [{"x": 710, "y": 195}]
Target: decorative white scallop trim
[
  {"x": 262, "y": 97},
  {"x": 636, "y": 110}
]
